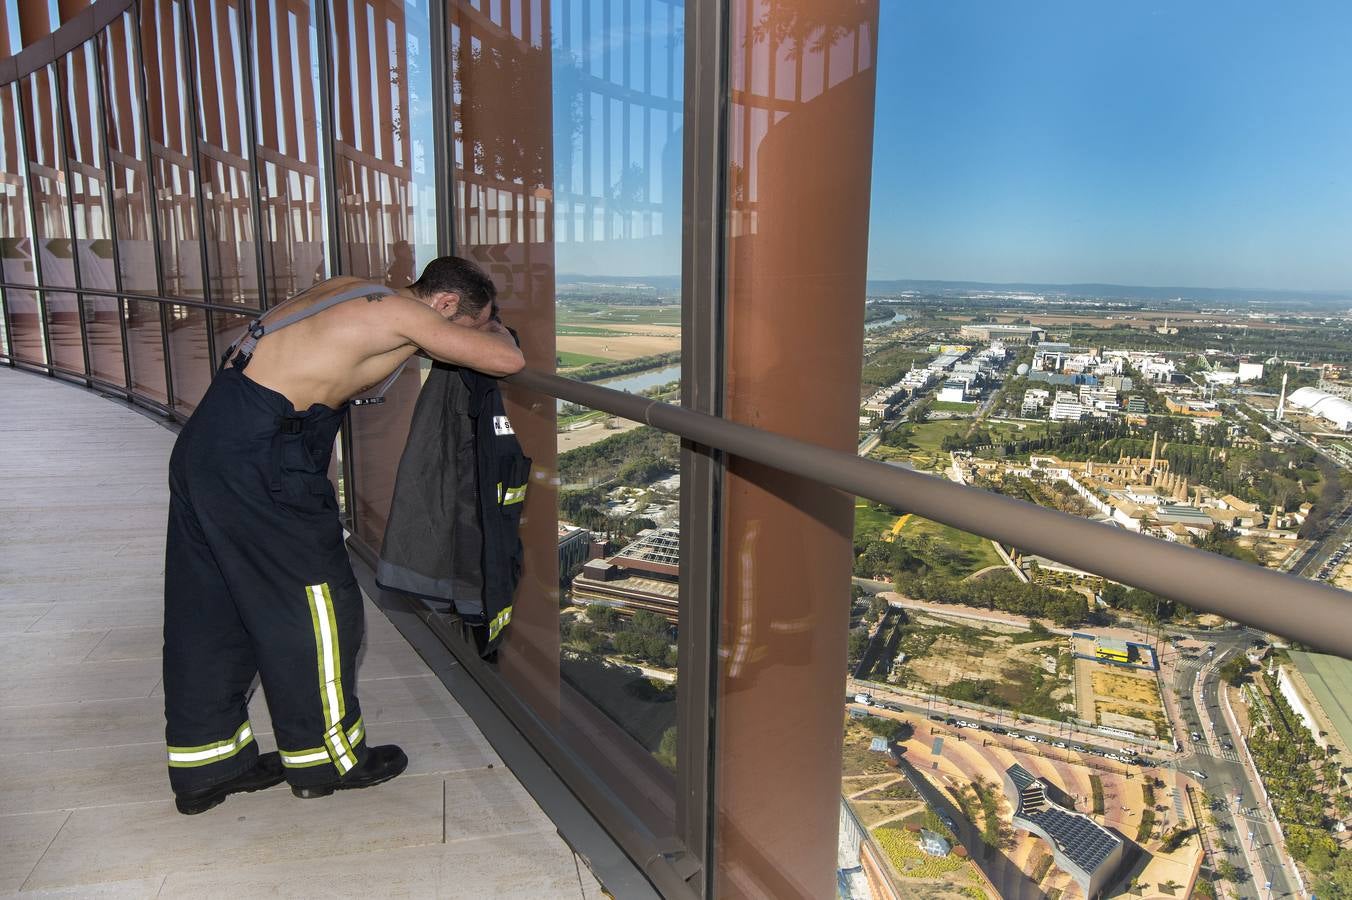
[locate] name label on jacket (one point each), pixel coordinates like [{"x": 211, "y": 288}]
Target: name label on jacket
[{"x": 502, "y": 425}]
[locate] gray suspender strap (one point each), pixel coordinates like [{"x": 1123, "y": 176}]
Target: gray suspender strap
[
  {"x": 379, "y": 395},
  {"x": 244, "y": 347}
]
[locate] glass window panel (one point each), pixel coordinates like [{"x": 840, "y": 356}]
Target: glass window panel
[
  {"x": 592, "y": 651},
  {"x": 145, "y": 343},
  {"x": 25, "y": 322},
  {"x": 384, "y": 152},
  {"x": 16, "y": 245},
  {"x": 168, "y": 121},
  {"x": 47, "y": 171},
  {"x": 189, "y": 356},
  {"x": 84, "y": 154},
  {"x": 291, "y": 167},
  {"x": 64, "y": 330},
  {"x": 798, "y": 202},
  {"x": 384, "y": 160},
  {"x": 132, "y": 194},
  {"x": 103, "y": 331},
  {"x": 227, "y": 171}
]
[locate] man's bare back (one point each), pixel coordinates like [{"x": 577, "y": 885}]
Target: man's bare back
[{"x": 343, "y": 351}]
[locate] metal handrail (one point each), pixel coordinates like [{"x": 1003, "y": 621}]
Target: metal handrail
[{"x": 1306, "y": 611}]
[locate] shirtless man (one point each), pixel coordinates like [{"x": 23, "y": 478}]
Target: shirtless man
[{"x": 257, "y": 579}]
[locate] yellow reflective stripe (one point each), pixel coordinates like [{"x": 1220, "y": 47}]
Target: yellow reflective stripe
[
  {"x": 500, "y": 621},
  {"x": 343, "y": 757},
  {"x": 190, "y": 757},
  {"x": 511, "y": 495},
  {"x": 300, "y": 759},
  {"x": 326, "y": 649}
]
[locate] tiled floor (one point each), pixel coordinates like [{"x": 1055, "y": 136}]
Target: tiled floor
[{"x": 85, "y": 808}]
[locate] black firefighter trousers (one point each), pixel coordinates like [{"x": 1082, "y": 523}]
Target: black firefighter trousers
[{"x": 258, "y": 582}]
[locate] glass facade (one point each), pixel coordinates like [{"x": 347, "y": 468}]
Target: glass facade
[{"x": 673, "y": 200}]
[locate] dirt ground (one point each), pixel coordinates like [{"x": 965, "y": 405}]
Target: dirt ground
[
  {"x": 590, "y": 434},
  {"x": 655, "y": 339},
  {"x": 951, "y": 658},
  {"x": 1131, "y": 689}
]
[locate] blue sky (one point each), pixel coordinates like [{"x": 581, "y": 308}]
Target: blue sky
[{"x": 1180, "y": 143}]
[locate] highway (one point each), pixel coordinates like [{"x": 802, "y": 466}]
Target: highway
[{"x": 1237, "y": 802}]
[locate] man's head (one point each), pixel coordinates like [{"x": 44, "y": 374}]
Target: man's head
[{"x": 458, "y": 289}]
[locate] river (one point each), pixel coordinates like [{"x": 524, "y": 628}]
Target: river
[{"x": 641, "y": 381}]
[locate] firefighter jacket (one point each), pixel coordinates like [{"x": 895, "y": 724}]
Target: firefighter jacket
[{"x": 453, "y": 532}]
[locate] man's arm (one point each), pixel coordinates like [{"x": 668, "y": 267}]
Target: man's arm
[{"x": 491, "y": 351}]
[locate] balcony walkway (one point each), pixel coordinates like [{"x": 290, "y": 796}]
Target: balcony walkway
[{"x": 85, "y": 807}]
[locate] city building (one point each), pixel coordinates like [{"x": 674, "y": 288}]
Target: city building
[
  {"x": 574, "y": 547},
  {"x": 1250, "y": 371},
  {"x": 1010, "y": 334},
  {"x": 1080, "y": 847},
  {"x": 1136, "y": 406},
  {"x": 1323, "y": 405},
  {"x": 953, "y": 392},
  {"x": 641, "y": 575},
  {"x": 1066, "y": 408},
  {"x": 1202, "y": 409}
]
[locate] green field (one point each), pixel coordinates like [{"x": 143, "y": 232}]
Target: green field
[
  {"x": 569, "y": 360},
  {"x": 583, "y": 314},
  {"x": 583, "y": 331},
  {"x": 870, "y": 523},
  {"x": 952, "y": 406},
  {"x": 963, "y": 553}
]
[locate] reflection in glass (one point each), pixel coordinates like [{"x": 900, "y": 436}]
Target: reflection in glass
[
  {"x": 145, "y": 347},
  {"x": 166, "y": 75},
  {"x": 127, "y": 171},
  {"x": 580, "y": 180},
  {"x": 384, "y": 150},
  {"x": 291, "y": 189},
  {"x": 384, "y": 159},
  {"x": 16, "y": 246},
  {"x": 48, "y": 178},
  {"x": 89, "y": 206},
  {"x": 25, "y": 322},
  {"x": 189, "y": 357},
  {"x": 798, "y": 175},
  {"x": 232, "y": 264}
]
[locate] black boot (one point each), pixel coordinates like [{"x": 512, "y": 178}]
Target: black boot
[
  {"x": 381, "y": 764},
  {"x": 266, "y": 772}
]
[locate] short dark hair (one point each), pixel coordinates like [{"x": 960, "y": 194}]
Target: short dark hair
[{"x": 453, "y": 274}]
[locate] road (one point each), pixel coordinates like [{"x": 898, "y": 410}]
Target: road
[
  {"x": 1216, "y": 754},
  {"x": 1336, "y": 533}
]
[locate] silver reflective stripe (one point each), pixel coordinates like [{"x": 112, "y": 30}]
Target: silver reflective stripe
[{"x": 188, "y": 757}]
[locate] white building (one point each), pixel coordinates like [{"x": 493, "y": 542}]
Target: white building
[
  {"x": 953, "y": 392},
  {"x": 1067, "y": 408},
  {"x": 1323, "y": 405},
  {"x": 1250, "y": 371}
]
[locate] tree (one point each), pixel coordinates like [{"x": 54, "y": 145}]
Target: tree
[
  {"x": 602, "y": 616},
  {"x": 1233, "y": 670},
  {"x": 919, "y": 412}
]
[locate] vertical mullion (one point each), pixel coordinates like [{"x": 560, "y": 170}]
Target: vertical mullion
[
  {"x": 153, "y": 182},
  {"x": 63, "y": 112},
  {"x": 188, "y": 36},
  {"x": 251, "y": 131},
  {"x": 328, "y": 146},
  {"x": 39, "y": 292},
  {"x": 100, "y": 113},
  {"x": 328, "y": 138},
  {"x": 441, "y": 151},
  {"x": 704, "y": 210}
]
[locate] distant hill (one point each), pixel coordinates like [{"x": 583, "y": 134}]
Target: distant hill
[{"x": 1120, "y": 292}]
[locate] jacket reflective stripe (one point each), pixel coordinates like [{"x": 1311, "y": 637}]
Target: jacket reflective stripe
[
  {"x": 499, "y": 622},
  {"x": 301, "y": 759},
  {"x": 511, "y": 495},
  {"x": 190, "y": 757},
  {"x": 330, "y": 676}
]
